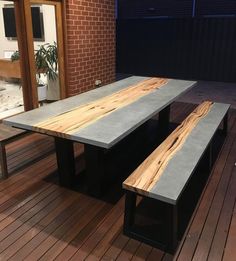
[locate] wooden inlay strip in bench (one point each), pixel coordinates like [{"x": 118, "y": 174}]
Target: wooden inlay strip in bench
[
  {"x": 149, "y": 172},
  {"x": 80, "y": 117}
]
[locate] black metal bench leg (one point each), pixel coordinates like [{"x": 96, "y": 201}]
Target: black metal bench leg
[
  {"x": 172, "y": 228},
  {"x": 164, "y": 120},
  {"x": 209, "y": 157},
  {"x": 225, "y": 124},
  {"x": 65, "y": 162},
  {"x": 95, "y": 169},
  {"x": 130, "y": 206},
  {"x": 3, "y": 161}
]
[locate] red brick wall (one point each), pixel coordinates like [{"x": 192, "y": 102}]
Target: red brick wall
[{"x": 90, "y": 43}]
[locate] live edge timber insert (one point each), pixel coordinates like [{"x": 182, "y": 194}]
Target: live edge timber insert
[
  {"x": 165, "y": 173},
  {"x": 69, "y": 122}
]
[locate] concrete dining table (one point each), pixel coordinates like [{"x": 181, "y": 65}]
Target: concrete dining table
[{"x": 100, "y": 119}]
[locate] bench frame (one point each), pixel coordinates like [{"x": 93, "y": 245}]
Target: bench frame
[
  {"x": 3, "y": 157},
  {"x": 171, "y": 221}
]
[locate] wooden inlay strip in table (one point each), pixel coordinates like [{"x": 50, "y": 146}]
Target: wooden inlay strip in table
[
  {"x": 149, "y": 172},
  {"x": 82, "y": 116}
]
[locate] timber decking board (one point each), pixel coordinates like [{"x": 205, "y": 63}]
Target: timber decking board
[
  {"x": 230, "y": 250},
  {"x": 102, "y": 246},
  {"x": 47, "y": 206},
  {"x": 25, "y": 157},
  {"x": 112, "y": 128},
  {"x": 48, "y": 229},
  {"x": 216, "y": 210},
  {"x": 129, "y": 250},
  {"x": 116, "y": 246},
  {"x": 217, "y": 247},
  {"x": 142, "y": 252},
  {"x": 102, "y": 230},
  {"x": 89, "y": 208},
  {"x": 62, "y": 250},
  {"x": 187, "y": 249},
  {"x": 155, "y": 254},
  {"x": 41, "y": 230},
  {"x": 30, "y": 234}
]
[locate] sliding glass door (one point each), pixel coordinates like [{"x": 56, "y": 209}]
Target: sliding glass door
[
  {"x": 40, "y": 35},
  {"x": 48, "y": 45},
  {"x": 11, "y": 95}
]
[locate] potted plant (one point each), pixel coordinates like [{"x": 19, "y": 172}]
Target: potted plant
[
  {"x": 46, "y": 62},
  {"x": 40, "y": 69},
  {"x": 46, "y": 58},
  {"x": 51, "y": 57}
]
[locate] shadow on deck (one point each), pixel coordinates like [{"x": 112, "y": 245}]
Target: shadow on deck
[{"x": 40, "y": 220}]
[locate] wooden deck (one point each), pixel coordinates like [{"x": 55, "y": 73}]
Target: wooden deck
[{"x": 40, "y": 220}]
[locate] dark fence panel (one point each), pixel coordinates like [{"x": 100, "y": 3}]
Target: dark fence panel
[{"x": 199, "y": 48}]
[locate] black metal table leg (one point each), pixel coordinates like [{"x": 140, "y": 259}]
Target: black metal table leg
[
  {"x": 172, "y": 228},
  {"x": 164, "y": 120},
  {"x": 65, "y": 161},
  {"x": 130, "y": 206},
  {"x": 225, "y": 124},
  {"x": 95, "y": 169}
]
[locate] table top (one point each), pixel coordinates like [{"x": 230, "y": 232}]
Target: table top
[{"x": 104, "y": 116}]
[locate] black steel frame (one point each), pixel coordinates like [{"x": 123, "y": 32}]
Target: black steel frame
[
  {"x": 65, "y": 161},
  {"x": 171, "y": 224},
  {"x": 163, "y": 121},
  {"x": 95, "y": 169},
  {"x": 225, "y": 124},
  {"x": 95, "y": 159}
]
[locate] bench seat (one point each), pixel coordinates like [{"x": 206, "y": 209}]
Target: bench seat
[
  {"x": 7, "y": 135},
  {"x": 165, "y": 173}
]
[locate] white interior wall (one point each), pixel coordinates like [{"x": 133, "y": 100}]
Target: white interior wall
[{"x": 7, "y": 45}]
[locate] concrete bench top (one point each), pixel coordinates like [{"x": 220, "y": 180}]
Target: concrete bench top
[
  {"x": 7, "y": 133},
  {"x": 165, "y": 173},
  {"x": 115, "y": 124}
]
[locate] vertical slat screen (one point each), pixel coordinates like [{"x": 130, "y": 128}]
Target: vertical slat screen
[{"x": 199, "y": 48}]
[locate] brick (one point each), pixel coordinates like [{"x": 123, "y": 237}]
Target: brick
[{"x": 90, "y": 43}]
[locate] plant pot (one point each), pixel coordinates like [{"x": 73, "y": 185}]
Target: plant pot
[
  {"x": 42, "y": 92},
  {"x": 53, "y": 91}
]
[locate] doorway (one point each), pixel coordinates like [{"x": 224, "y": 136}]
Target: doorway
[
  {"x": 48, "y": 44},
  {"x": 11, "y": 95},
  {"x": 40, "y": 35}
]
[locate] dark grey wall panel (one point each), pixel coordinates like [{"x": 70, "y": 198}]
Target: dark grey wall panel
[
  {"x": 153, "y": 8},
  {"x": 198, "y": 49}
]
